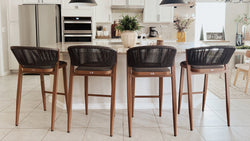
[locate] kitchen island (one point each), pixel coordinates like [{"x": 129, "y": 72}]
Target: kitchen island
[{"x": 101, "y": 85}]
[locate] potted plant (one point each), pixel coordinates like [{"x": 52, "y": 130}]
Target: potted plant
[
  {"x": 181, "y": 24},
  {"x": 128, "y": 25}
]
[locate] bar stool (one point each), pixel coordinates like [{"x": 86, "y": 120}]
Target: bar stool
[
  {"x": 205, "y": 60},
  {"x": 39, "y": 61},
  {"x": 245, "y": 68},
  {"x": 150, "y": 61},
  {"x": 93, "y": 61}
]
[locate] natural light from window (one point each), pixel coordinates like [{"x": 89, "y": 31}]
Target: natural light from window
[{"x": 211, "y": 16}]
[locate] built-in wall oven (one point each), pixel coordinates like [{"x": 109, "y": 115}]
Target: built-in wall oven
[{"x": 77, "y": 29}]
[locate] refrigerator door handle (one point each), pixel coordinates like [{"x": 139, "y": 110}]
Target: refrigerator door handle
[{"x": 56, "y": 29}]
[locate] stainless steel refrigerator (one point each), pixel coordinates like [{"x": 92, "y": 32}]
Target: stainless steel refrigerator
[{"x": 40, "y": 25}]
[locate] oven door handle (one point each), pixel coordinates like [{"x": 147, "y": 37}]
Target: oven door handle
[
  {"x": 84, "y": 22},
  {"x": 77, "y": 35}
]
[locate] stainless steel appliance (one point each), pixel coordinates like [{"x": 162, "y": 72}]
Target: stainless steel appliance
[
  {"x": 77, "y": 29},
  {"x": 153, "y": 32},
  {"x": 40, "y": 25}
]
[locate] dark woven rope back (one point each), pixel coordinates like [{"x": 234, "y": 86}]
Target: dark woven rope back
[
  {"x": 92, "y": 56},
  {"x": 212, "y": 55},
  {"x": 32, "y": 57},
  {"x": 151, "y": 56}
]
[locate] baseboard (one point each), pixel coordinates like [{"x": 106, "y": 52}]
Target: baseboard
[
  {"x": 142, "y": 105},
  {"x": 5, "y": 73}
]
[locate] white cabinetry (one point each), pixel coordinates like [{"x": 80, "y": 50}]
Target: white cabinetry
[
  {"x": 30, "y": 1},
  {"x": 103, "y": 11},
  {"x": 154, "y": 13},
  {"x": 136, "y": 2},
  {"x": 119, "y": 2},
  {"x": 41, "y": 1},
  {"x": 51, "y": 1},
  {"x": 128, "y": 2}
]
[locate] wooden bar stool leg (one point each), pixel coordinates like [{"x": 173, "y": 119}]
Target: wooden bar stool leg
[
  {"x": 19, "y": 91},
  {"x": 190, "y": 101},
  {"x": 227, "y": 97},
  {"x": 204, "y": 91},
  {"x": 173, "y": 79},
  {"x": 244, "y": 76},
  {"x": 86, "y": 94},
  {"x": 129, "y": 101},
  {"x": 71, "y": 77},
  {"x": 248, "y": 75},
  {"x": 65, "y": 87},
  {"x": 236, "y": 76},
  {"x": 54, "y": 98},
  {"x": 43, "y": 91},
  {"x": 133, "y": 96},
  {"x": 114, "y": 73},
  {"x": 160, "y": 95},
  {"x": 180, "y": 89},
  {"x": 112, "y": 109}
]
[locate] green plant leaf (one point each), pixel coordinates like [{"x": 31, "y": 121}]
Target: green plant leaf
[{"x": 128, "y": 23}]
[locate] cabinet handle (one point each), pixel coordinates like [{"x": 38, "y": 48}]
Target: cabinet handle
[{"x": 109, "y": 18}]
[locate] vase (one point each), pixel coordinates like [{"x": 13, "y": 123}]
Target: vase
[
  {"x": 181, "y": 37},
  {"x": 129, "y": 38}
]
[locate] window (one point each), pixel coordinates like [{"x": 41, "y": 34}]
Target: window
[{"x": 211, "y": 16}]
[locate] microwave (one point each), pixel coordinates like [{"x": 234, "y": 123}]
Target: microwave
[{"x": 77, "y": 29}]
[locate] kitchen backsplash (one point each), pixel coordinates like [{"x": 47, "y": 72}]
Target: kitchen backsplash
[{"x": 166, "y": 30}]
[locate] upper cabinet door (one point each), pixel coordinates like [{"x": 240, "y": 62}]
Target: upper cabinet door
[
  {"x": 154, "y": 13},
  {"x": 31, "y": 1},
  {"x": 103, "y": 11},
  {"x": 136, "y": 2},
  {"x": 119, "y": 2},
  {"x": 51, "y": 1},
  {"x": 166, "y": 14},
  {"x": 41, "y": 1},
  {"x": 150, "y": 14}
]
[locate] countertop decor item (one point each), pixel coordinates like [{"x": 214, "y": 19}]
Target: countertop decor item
[
  {"x": 242, "y": 23},
  {"x": 83, "y": 2},
  {"x": 128, "y": 26},
  {"x": 181, "y": 24}
]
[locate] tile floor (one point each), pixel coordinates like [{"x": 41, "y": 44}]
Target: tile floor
[{"x": 147, "y": 125}]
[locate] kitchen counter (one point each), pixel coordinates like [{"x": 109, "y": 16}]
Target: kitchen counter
[
  {"x": 116, "y": 44},
  {"x": 143, "y": 85}
]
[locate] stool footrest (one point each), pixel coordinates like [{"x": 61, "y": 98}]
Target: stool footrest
[
  {"x": 99, "y": 95},
  {"x": 147, "y": 96},
  {"x": 194, "y": 93},
  {"x": 52, "y": 93}
]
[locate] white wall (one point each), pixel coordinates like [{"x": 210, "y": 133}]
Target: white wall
[
  {"x": 233, "y": 10},
  {"x": 4, "y": 65},
  {"x": 210, "y": 16}
]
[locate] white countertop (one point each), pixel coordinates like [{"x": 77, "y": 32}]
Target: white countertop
[{"x": 116, "y": 44}]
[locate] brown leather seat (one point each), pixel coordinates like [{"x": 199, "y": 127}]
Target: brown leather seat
[
  {"x": 184, "y": 64},
  {"x": 164, "y": 69}
]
